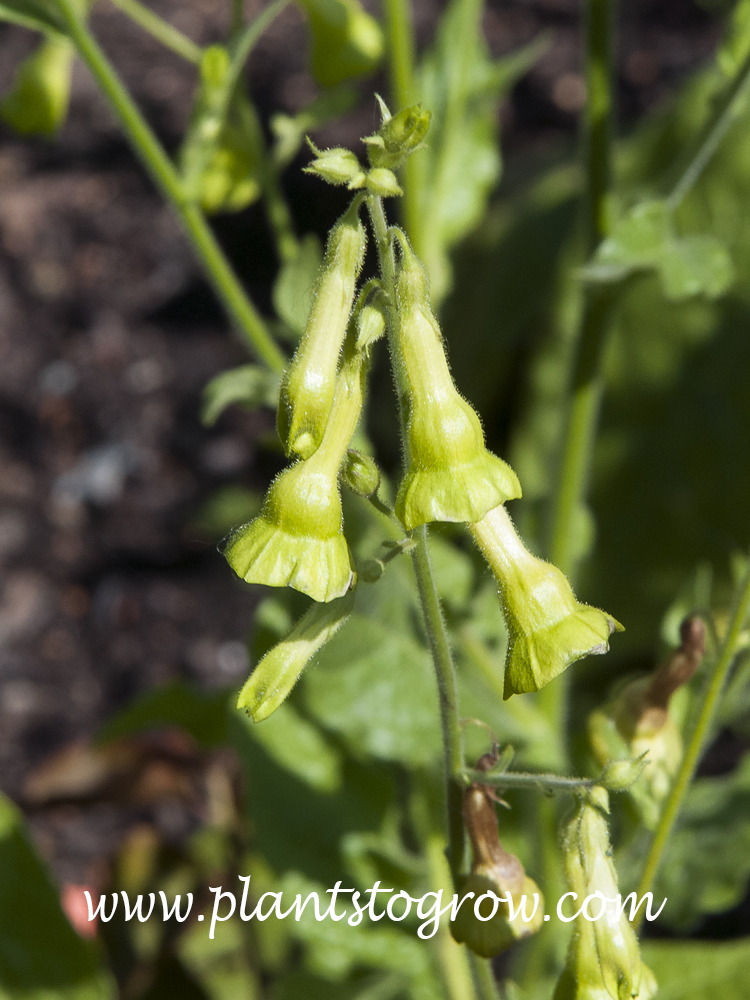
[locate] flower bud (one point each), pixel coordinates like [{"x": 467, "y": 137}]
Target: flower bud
[
  {"x": 397, "y": 137},
  {"x": 278, "y": 671},
  {"x": 637, "y": 723},
  {"x": 336, "y": 166},
  {"x": 297, "y": 539},
  {"x": 360, "y": 473},
  {"x": 309, "y": 384},
  {"x": 451, "y": 476},
  {"x": 495, "y": 871},
  {"x": 548, "y": 629},
  {"x": 604, "y": 962},
  {"x": 370, "y": 323},
  {"x": 383, "y": 182}
]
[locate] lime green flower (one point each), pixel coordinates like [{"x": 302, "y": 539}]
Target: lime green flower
[
  {"x": 309, "y": 384},
  {"x": 450, "y": 476},
  {"x": 548, "y": 628}
]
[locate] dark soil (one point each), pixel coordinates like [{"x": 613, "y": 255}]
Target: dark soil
[{"x": 108, "y": 335}]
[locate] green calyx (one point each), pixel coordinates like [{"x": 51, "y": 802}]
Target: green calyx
[
  {"x": 298, "y": 540},
  {"x": 398, "y": 137},
  {"x": 451, "y": 476},
  {"x": 548, "y": 628},
  {"x": 309, "y": 384},
  {"x": 604, "y": 961},
  {"x": 278, "y": 671}
]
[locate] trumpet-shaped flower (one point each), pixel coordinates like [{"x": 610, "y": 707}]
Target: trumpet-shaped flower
[
  {"x": 450, "y": 475},
  {"x": 497, "y": 873},
  {"x": 309, "y": 384},
  {"x": 297, "y": 540},
  {"x": 604, "y": 962},
  {"x": 548, "y": 628}
]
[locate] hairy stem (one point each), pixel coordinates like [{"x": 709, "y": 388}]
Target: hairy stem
[
  {"x": 437, "y": 635},
  {"x": 161, "y": 30},
  {"x": 161, "y": 169},
  {"x": 548, "y": 783},
  {"x": 399, "y": 30},
  {"x": 698, "y": 736}
]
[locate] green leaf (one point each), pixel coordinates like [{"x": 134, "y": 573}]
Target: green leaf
[
  {"x": 41, "y": 956},
  {"x": 40, "y": 15},
  {"x": 249, "y": 385},
  {"x": 645, "y": 239},
  {"x": 376, "y": 688},
  {"x": 225, "y": 508},
  {"x": 298, "y": 745},
  {"x": 462, "y": 88},
  {"x": 290, "y": 130},
  {"x": 37, "y": 103},
  {"x": 347, "y": 41},
  {"x": 293, "y": 289},
  {"x": 699, "y": 970},
  {"x": 201, "y": 715}
]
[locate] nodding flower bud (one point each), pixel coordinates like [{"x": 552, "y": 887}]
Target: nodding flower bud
[
  {"x": 398, "y": 136},
  {"x": 308, "y": 385},
  {"x": 336, "y": 166},
  {"x": 603, "y": 962},
  {"x": 450, "y": 476},
  {"x": 278, "y": 671},
  {"x": 360, "y": 473},
  {"x": 548, "y": 629},
  {"x": 497, "y": 875},
  {"x": 297, "y": 539},
  {"x": 638, "y": 722}
]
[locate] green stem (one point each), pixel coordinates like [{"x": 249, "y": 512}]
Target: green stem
[
  {"x": 236, "y": 18},
  {"x": 726, "y": 112},
  {"x": 598, "y": 117},
  {"x": 161, "y": 30},
  {"x": 549, "y": 783},
  {"x": 159, "y": 166},
  {"x": 244, "y": 42},
  {"x": 484, "y": 977},
  {"x": 698, "y": 737},
  {"x": 399, "y": 30},
  {"x": 437, "y": 635}
]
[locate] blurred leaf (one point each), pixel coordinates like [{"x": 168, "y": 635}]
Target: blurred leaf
[
  {"x": 201, "y": 715},
  {"x": 376, "y": 687},
  {"x": 226, "y": 508},
  {"x": 462, "y": 88},
  {"x": 299, "y": 746},
  {"x": 37, "y": 103},
  {"x": 707, "y": 864},
  {"x": 645, "y": 239},
  {"x": 220, "y": 966},
  {"x": 41, "y": 956},
  {"x": 249, "y": 385},
  {"x": 453, "y": 571},
  {"x": 41, "y": 15},
  {"x": 293, "y": 288},
  {"x": 699, "y": 970},
  {"x": 347, "y": 41},
  {"x": 290, "y": 130},
  {"x": 296, "y": 827}
]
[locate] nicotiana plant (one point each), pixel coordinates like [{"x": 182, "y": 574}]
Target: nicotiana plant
[{"x": 384, "y": 661}]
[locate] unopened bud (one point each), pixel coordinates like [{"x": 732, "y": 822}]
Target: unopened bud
[
  {"x": 360, "y": 473},
  {"x": 309, "y": 384},
  {"x": 337, "y": 166},
  {"x": 603, "y": 959},
  {"x": 620, "y": 775},
  {"x": 383, "y": 182},
  {"x": 450, "y": 476},
  {"x": 398, "y": 137},
  {"x": 278, "y": 671},
  {"x": 548, "y": 629}
]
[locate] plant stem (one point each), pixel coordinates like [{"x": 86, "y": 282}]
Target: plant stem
[
  {"x": 725, "y": 113},
  {"x": 484, "y": 977},
  {"x": 452, "y": 958},
  {"x": 437, "y": 635},
  {"x": 161, "y": 30},
  {"x": 244, "y": 42},
  {"x": 399, "y": 30},
  {"x": 549, "y": 783},
  {"x": 698, "y": 737},
  {"x": 160, "y": 167}
]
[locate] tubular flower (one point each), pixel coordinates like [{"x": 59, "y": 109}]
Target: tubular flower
[
  {"x": 297, "y": 540},
  {"x": 278, "y": 671},
  {"x": 494, "y": 871},
  {"x": 638, "y": 722},
  {"x": 450, "y": 476},
  {"x": 604, "y": 962},
  {"x": 548, "y": 628},
  {"x": 309, "y": 384}
]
